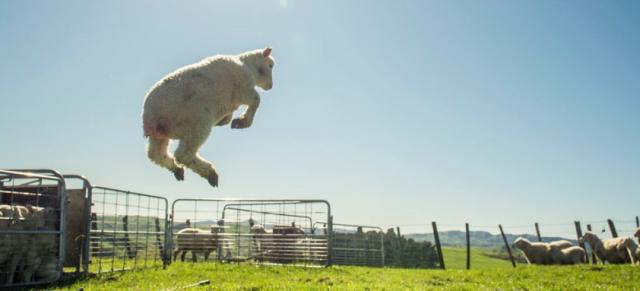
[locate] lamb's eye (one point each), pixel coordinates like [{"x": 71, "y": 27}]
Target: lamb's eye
[{"x": 271, "y": 66}]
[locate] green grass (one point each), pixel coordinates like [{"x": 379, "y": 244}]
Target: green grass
[
  {"x": 456, "y": 258},
  {"x": 252, "y": 277}
]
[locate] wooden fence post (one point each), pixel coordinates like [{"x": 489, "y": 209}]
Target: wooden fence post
[
  {"x": 125, "y": 226},
  {"x": 594, "y": 260},
  {"x": 506, "y": 244},
  {"x": 579, "y": 234},
  {"x": 538, "y": 231},
  {"x": 436, "y": 238},
  {"x": 466, "y": 226},
  {"x": 612, "y": 228}
]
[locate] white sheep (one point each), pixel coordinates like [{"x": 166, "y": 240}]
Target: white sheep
[
  {"x": 259, "y": 240},
  {"x": 7, "y": 223},
  {"x": 610, "y": 250},
  {"x": 41, "y": 247},
  {"x": 23, "y": 219},
  {"x": 567, "y": 256},
  {"x": 631, "y": 246},
  {"x": 195, "y": 240},
  {"x": 187, "y": 103},
  {"x": 561, "y": 244},
  {"x": 538, "y": 253}
]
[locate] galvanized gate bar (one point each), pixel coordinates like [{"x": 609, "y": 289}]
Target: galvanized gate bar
[
  {"x": 276, "y": 231},
  {"x": 123, "y": 232},
  {"x": 28, "y": 272}
]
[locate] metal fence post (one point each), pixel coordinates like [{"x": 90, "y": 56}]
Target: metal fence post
[
  {"x": 330, "y": 241},
  {"x": 538, "y": 231},
  {"x": 466, "y": 226}
]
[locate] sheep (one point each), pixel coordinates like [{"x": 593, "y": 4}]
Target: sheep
[
  {"x": 41, "y": 247},
  {"x": 195, "y": 240},
  {"x": 567, "y": 256},
  {"x": 187, "y": 103},
  {"x": 630, "y": 245},
  {"x": 561, "y": 244},
  {"x": 259, "y": 240},
  {"x": 7, "y": 241},
  {"x": 538, "y": 253},
  {"x": 610, "y": 250}
]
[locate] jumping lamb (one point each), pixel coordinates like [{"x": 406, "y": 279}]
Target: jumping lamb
[
  {"x": 187, "y": 103},
  {"x": 610, "y": 250},
  {"x": 567, "y": 256}
]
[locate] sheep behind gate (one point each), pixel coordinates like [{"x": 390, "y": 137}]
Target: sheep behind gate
[{"x": 197, "y": 241}]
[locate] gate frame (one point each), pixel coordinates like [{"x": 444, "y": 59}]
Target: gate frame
[
  {"x": 88, "y": 221},
  {"x": 41, "y": 174},
  {"x": 258, "y": 202}
]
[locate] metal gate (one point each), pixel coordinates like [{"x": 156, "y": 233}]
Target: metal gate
[
  {"x": 265, "y": 231},
  {"x": 358, "y": 245},
  {"x": 32, "y": 212},
  {"x": 127, "y": 230}
]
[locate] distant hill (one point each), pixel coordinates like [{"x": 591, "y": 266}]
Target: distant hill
[{"x": 478, "y": 238}]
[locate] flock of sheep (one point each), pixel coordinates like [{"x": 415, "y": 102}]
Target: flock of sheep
[
  {"x": 25, "y": 257},
  {"x": 618, "y": 250},
  {"x": 276, "y": 245}
]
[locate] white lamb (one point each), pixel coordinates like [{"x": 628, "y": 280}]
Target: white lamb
[
  {"x": 632, "y": 247},
  {"x": 561, "y": 244},
  {"x": 196, "y": 241},
  {"x": 42, "y": 247},
  {"x": 610, "y": 250},
  {"x": 187, "y": 103},
  {"x": 259, "y": 239},
  {"x": 567, "y": 256},
  {"x": 538, "y": 253}
]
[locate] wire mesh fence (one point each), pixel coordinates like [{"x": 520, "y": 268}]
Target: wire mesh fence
[
  {"x": 357, "y": 245},
  {"x": 127, "y": 230},
  {"x": 265, "y": 231},
  {"x": 32, "y": 211}
]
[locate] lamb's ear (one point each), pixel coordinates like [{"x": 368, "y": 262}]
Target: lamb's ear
[{"x": 266, "y": 52}]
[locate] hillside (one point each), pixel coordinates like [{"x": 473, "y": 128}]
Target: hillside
[{"x": 478, "y": 238}]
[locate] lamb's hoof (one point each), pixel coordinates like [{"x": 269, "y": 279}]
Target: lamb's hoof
[
  {"x": 240, "y": 123},
  {"x": 179, "y": 174},
  {"x": 213, "y": 179}
]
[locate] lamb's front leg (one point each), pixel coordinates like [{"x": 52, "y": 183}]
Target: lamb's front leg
[
  {"x": 187, "y": 154},
  {"x": 253, "y": 101}
]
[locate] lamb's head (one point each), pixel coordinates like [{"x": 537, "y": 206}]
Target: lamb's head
[
  {"x": 629, "y": 243},
  {"x": 555, "y": 249},
  {"x": 43, "y": 216},
  {"x": 590, "y": 238},
  {"x": 521, "y": 243},
  {"x": 262, "y": 62},
  {"x": 637, "y": 233}
]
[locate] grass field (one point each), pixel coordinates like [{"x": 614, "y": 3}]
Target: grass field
[
  {"x": 456, "y": 258},
  {"x": 252, "y": 277}
]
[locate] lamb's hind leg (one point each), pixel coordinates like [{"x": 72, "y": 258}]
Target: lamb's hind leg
[
  {"x": 158, "y": 152},
  {"x": 187, "y": 154}
]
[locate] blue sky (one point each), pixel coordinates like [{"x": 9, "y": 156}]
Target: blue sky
[{"x": 397, "y": 112}]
